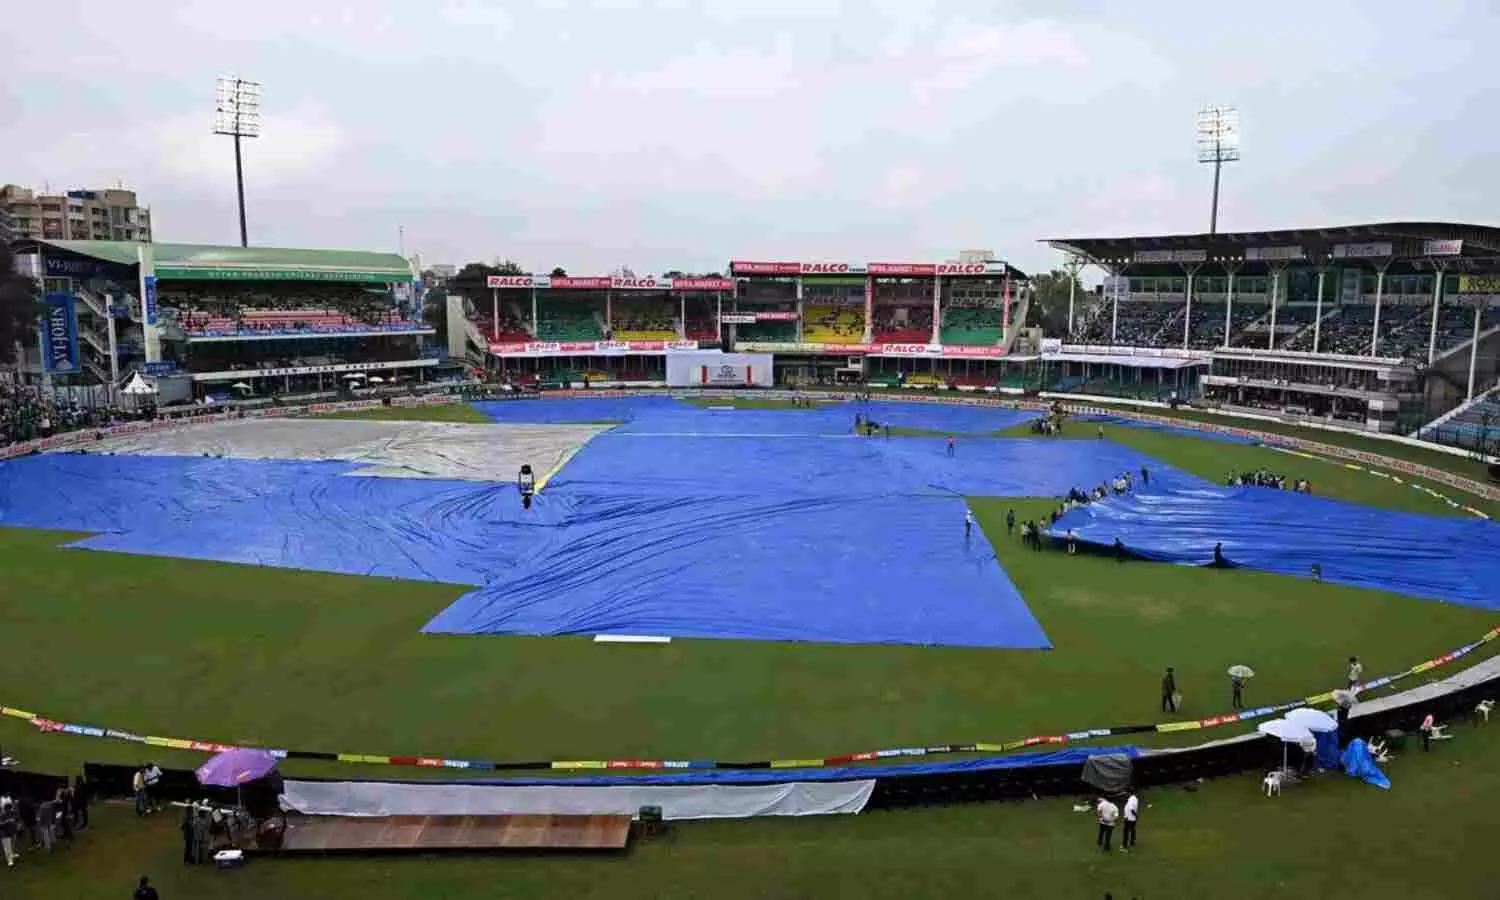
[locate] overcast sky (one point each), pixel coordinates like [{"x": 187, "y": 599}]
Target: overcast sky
[{"x": 676, "y": 135}]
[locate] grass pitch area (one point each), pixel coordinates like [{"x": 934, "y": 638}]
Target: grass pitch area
[{"x": 325, "y": 662}]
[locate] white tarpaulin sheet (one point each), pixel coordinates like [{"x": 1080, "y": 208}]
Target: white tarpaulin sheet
[
  {"x": 391, "y": 449},
  {"x": 687, "y": 801}
]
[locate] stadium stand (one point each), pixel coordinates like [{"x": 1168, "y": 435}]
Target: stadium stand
[
  {"x": 972, "y": 326},
  {"x": 915, "y": 329},
  {"x": 1141, "y": 324},
  {"x": 568, "y": 320},
  {"x": 512, "y": 327},
  {"x": 312, "y": 309},
  {"x": 779, "y": 332},
  {"x": 644, "y": 320},
  {"x": 1476, "y": 428},
  {"x": 833, "y": 324}
]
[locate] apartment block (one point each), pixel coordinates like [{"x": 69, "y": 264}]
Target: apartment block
[{"x": 109, "y": 214}]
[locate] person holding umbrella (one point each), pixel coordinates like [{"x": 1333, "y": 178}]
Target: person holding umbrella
[{"x": 1238, "y": 675}]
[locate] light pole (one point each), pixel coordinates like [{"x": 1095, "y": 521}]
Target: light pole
[
  {"x": 237, "y": 114},
  {"x": 1218, "y": 143}
]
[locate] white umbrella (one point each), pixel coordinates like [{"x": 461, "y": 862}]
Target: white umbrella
[
  {"x": 377, "y": 380},
  {"x": 241, "y": 386},
  {"x": 1346, "y": 698},
  {"x": 1314, "y": 720},
  {"x": 1241, "y": 672},
  {"x": 1287, "y": 732},
  {"x": 354, "y": 376}
]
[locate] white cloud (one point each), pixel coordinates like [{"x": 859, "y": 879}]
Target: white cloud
[{"x": 291, "y": 148}]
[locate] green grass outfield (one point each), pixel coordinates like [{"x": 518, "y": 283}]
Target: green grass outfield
[
  {"x": 1331, "y": 837},
  {"x": 324, "y": 662}
]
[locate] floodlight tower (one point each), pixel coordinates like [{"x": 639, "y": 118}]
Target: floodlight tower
[
  {"x": 1218, "y": 143},
  {"x": 237, "y": 114}
]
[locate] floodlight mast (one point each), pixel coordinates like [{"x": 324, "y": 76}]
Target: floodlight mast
[
  {"x": 237, "y": 114},
  {"x": 1218, "y": 143}
]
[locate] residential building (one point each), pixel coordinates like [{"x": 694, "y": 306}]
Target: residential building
[{"x": 109, "y": 214}]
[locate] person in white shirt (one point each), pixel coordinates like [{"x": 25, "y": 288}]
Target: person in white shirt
[
  {"x": 968, "y": 524},
  {"x": 1356, "y": 669},
  {"x": 1132, "y": 813},
  {"x": 1108, "y": 815},
  {"x": 153, "y": 777}
]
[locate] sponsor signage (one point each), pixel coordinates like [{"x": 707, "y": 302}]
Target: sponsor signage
[
  {"x": 910, "y": 349},
  {"x": 936, "y": 350},
  {"x": 641, "y": 284},
  {"x": 57, "y": 267},
  {"x": 588, "y": 348},
  {"x": 1268, "y": 254},
  {"x": 238, "y": 374},
  {"x": 60, "y": 333},
  {"x": 1169, "y": 256},
  {"x": 791, "y": 347},
  {"x": 1373, "y": 250},
  {"x": 181, "y": 273},
  {"x": 1051, "y": 346},
  {"x": 166, "y": 367},
  {"x": 517, "y": 281},
  {"x": 777, "y": 316},
  {"x": 1442, "y": 248},
  {"x": 148, "y": 290},
  {"x": 738, "y": 318},
  {"x": 587, "y": 283},
  {"x": 724, "y": 375},
  {"x": 119, "y": 311},
  {"x": 927, "y": 270},
  {"x": 750, "y": 267},
  {"x": 1479, "y": 284},
  {"x": 701, "y": 284}
]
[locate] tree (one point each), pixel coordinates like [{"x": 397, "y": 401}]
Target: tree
[
  {"x": 470, "y": 280},
  {"x": 435, "y": 313},
  {"x": 20, "y": 307},
  {"x": 1049, "y": 302},
  {"x": 559, "y": 272}
]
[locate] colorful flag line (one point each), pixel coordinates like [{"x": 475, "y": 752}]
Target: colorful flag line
[{"x": 52, "y": 726}]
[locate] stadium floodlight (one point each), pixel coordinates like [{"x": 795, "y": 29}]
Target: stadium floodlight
[
  {"x": 1218, "y": 143},
  {"x": 237, "y": 114}
]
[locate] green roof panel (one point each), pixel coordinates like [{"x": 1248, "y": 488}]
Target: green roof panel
[{"x": 203, "y": 261}]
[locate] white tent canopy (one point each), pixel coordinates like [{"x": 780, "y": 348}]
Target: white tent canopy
[
  {"x": 137, "y": 386},
  {"x": 1314, "y": 720}
]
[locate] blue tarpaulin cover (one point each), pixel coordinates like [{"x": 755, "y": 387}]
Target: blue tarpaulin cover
[
  {"x": 1072, "y": 756},
  {"x": 1178, "y": 519},
  {"x": 1358, "y": 763},
  {"x": 806, "y": 533}
]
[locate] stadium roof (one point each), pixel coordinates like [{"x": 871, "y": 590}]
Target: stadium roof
[
  {"x": 1410, "y": 241},
  {"x": 202, "y": 261}
]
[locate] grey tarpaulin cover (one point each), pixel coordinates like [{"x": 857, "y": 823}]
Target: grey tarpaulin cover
[{"x": 1109, "y": 772}]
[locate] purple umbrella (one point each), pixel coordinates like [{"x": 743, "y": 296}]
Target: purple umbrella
[{"x": 233, "y": 768}]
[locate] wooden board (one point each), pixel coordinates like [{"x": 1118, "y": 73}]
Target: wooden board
[{"x": 352, "y": 834}]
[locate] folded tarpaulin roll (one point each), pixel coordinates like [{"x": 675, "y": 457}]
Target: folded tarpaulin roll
[{"x": 1109, "y": 772}]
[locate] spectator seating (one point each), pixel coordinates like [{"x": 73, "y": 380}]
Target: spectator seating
[
  {"x": 1142, "y": 323},
  {"x": 249, "y": 321},
  {"x": 776, "y": 332},
  {"x": 917, "y": 329},
  {"x": 644, "y": 320},
  {"x": 833, "y": 324},
  {"x": 563, "y": 320},
  {"x": 512, "y": 329},
  {"x": 972, "y": 326},
  {"x": 1476, "y": 428}
]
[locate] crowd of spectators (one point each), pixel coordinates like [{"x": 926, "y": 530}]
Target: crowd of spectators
[
  {"x": 1139, "y": 323},
  {"x": 28, "y": 413},
  {"x": 313, "y": 308}
]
